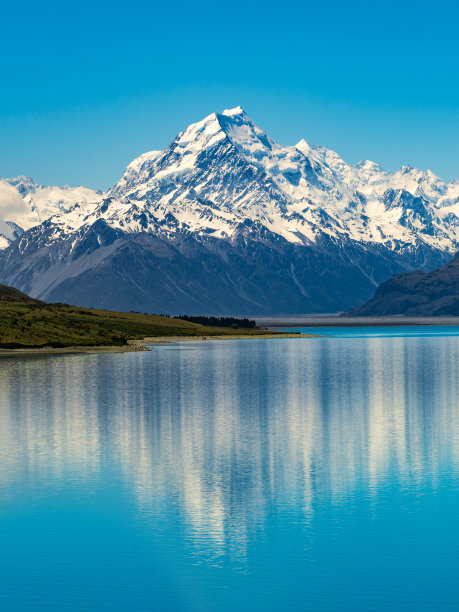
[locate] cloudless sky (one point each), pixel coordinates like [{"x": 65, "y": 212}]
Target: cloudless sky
[{"x": 88, "y": 86}]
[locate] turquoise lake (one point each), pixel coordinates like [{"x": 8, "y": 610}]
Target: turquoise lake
[{"x": 241, "y": 475}]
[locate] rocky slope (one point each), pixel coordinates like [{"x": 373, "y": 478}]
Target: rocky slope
[
  {"x": 416, "y": 294},
  {"x": 227, "y": 221}
]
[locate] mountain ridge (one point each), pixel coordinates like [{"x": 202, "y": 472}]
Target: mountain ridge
[
  {"x": 273, "y": 228},
  {"x": 25, "y": 203},
  {"x": 418, "y": 293}
]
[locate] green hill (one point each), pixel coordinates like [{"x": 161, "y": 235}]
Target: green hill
[
  {"x": 10, "y": 294},
  {"x": 25, "y": 322}
]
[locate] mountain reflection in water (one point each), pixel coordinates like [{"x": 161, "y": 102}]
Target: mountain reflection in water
[{"x": 218, "y": 443}]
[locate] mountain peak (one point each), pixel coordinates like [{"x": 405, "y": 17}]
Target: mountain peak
[
  {"x": 407, "y": 168},
  {"x": 22, "y": 180},
  {"x": 303, "y": 146},
  {"x": 231, "y": 112},
  {"x": 367, "y": 164},
  {"x": 202, "y": 134},
  {"x": 419, "y": 175}
]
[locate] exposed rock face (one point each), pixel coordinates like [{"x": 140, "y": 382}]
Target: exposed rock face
[{"x": 417, "y": 294}]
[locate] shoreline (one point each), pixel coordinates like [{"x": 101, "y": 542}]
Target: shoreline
[
  {"x": 71, "y": 350},
  {"x": 141, "y": 345},
  {"x": 283, "y": 322},
  {"x": 175, "y": 339}
]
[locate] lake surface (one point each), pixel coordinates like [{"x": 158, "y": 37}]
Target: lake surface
[{"x": 271, "y": 475}]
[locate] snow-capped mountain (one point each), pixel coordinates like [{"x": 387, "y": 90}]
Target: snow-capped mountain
[
  {"x": 302, "y": 182},
  {"x": 24, "y": 204},
  {"x": 227, "y": 220}
]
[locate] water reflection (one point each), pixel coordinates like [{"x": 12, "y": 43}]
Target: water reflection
[{"x": 225, "y": 434}]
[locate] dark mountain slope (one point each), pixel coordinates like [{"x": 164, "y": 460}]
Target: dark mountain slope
[
  {"x": 256, "y": 272},
  {"x": 416, "y": 294}
]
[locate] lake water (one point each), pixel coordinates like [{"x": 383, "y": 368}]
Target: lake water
[{"x": 272, "y": 475}]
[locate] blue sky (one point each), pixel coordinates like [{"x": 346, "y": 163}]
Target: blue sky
[{"x": 88, "y": 86}]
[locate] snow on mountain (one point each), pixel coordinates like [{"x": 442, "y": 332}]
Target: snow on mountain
[
  {"x": 306, "y": 188},
  {"x": 13, "y": 210},
  {"x": 24, "y": 204},
  {"x": 138, "y": 169},
  {"x": 298, "y": 218},
  {"x": 7, "y": 234},
  {"x": 224, "y": 170}
]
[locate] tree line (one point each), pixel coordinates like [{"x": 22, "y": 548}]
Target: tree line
[{"x": 220, "y": 321}]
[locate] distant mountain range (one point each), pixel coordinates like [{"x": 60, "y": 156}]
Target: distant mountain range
[
  {"x": 25, "y": 204},
  {"x": 416, "y": 294},
  {"x": 227, "y": 221}
]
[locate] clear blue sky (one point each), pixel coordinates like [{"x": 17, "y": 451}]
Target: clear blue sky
[{"x": 88, "y": 86}]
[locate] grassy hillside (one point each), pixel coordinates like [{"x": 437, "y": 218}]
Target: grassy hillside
[
  {"x": 28, "y": 323},
  {"x": 10, "y": 294}
]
